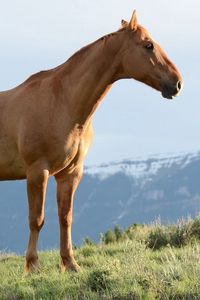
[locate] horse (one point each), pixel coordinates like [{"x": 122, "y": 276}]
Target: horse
[{"x": 46, "y": 122}]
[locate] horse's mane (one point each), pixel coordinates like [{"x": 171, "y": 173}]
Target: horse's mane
[
  {"x": 72, "y": 60},
  {"x": 80, "y": 53}
]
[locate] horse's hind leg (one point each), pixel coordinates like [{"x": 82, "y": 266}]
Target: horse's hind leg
[
  {"x": 36, "y": 188},
  {"x": 67, "y": 183}
]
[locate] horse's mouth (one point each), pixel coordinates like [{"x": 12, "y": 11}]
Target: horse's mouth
[
  {"x": 169, "y": 96},
  {"x": 170, "y": 92}
]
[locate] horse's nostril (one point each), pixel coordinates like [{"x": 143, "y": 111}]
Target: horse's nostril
[{"x": 179, "y": 85}]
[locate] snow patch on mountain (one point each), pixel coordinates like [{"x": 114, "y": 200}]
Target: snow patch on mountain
[{"x": 142, "y": 168}]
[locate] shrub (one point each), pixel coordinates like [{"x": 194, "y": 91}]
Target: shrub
[
  {"x": 109, "y": 237},
  {"x": 99, "y": 280},
  {"x": 195, "y": 228},
  {"x": 88, "y": 241},
  {"x": 158, "y": 238},
  {"x": 87, "y": 251},
  {"x": 180, "y": 234},
  {"x": 138, "y": 232},
  {"x": 118, "y": 232},
  {"x": 101, "y": 237},
  {"x": 176, "y": 235},
  {"x": 130, "y": 231}
]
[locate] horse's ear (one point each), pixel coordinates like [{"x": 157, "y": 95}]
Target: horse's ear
[
  {"x": 133, "y": 22},
  {"x": 124, "y": 23}
]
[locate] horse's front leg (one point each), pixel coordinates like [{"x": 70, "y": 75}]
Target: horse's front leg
[
  {"x": 66, "y": 186},
  {"x": 36, "y": 188}
]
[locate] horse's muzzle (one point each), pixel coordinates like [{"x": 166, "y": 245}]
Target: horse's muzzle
[{"x": 171, "y": 91}]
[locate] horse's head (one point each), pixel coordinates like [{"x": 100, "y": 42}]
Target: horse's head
[{"x": 144, "y": 60}]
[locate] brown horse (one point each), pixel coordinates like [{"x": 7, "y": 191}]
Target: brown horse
[{"x": 45, "y": 123}]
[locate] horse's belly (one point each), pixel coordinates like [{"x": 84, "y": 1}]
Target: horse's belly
[{"x": 12, "y": 171}]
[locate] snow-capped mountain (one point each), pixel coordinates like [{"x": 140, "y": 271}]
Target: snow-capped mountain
[
  {"x": 124, "y": 192},
  {"x": 142, "y": 168}
]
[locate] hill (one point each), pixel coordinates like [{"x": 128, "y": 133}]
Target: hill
[
  {"x": 124, "y": 192},
  {"x": 130, "y": 268}
]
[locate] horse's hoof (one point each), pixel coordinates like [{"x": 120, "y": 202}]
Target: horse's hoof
[
  {"x": 69, "y": 266},
  {"x": 31, "y": 267}
]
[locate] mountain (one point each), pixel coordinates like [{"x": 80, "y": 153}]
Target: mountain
[{"x": 124, "y": 192}]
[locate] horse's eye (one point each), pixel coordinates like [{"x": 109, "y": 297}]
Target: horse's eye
[{"x": 149, "y": 46}]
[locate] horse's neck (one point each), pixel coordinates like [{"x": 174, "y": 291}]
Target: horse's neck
[{"x": 91, "y": 76}]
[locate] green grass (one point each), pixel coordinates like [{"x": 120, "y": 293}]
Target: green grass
[
  {"x": 141, "y": 262},
  {"x": 125, "y": 270}
]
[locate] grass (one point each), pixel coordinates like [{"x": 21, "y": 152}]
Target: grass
[{"x": 127, "y": 269}]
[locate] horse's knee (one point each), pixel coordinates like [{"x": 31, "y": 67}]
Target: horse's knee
[{"x": 36, "y": 223}]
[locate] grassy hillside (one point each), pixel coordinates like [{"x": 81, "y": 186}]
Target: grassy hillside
[{"x": 140, "y": 263}]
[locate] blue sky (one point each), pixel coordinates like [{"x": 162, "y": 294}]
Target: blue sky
[{"x": 133, "y": 120}]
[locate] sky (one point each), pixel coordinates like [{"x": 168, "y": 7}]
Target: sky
[{"x": 133, "y": 120}]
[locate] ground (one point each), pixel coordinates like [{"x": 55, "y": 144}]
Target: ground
[{"x": 121, "y": 270}]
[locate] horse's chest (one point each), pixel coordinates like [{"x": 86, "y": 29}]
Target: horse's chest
[{"x": 65, "y": 153}]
